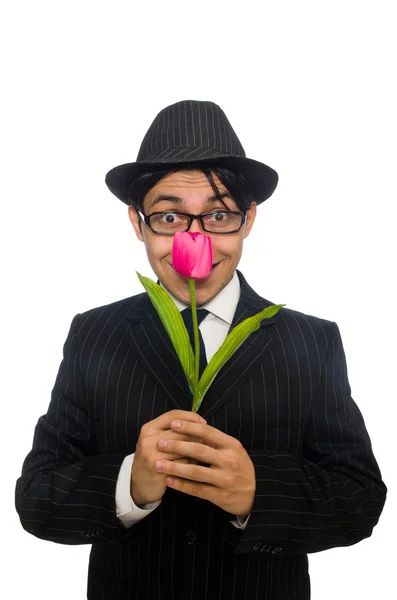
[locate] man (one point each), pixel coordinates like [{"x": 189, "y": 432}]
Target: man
[{"x": 278, "y": 464}]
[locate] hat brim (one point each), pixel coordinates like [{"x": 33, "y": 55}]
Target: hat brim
[{"x": 263, "y": 179}]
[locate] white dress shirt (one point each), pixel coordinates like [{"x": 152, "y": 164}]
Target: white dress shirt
[{"x": 214, "y": 329}]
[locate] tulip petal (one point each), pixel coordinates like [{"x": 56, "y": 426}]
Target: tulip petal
[
  {"x": 204, "y": 258},
  {"x": 192, "y": 254},
  {"x": 183, "y": 253}
]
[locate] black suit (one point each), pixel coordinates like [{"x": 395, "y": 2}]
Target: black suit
[{"x": 285, "y": 394}]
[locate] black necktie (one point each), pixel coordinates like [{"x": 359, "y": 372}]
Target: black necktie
[{"x": 187, "y": 317}]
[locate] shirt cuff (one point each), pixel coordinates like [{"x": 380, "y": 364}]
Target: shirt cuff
[
  {"x": 240, "y": 523},
  {"x": 126, "y": 510}
]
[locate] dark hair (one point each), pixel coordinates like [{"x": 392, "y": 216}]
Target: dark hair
[{"x": 235, "y": 183}]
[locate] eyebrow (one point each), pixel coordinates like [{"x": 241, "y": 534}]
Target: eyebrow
[{"x": 179, "y": 200}]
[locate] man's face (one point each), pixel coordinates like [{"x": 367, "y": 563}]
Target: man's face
[{"x": 193, "y": 189}]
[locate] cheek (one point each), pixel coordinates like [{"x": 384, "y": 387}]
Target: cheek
[
  {"x": 158, "y": 249},
  {"x": 229, "y": 248}
]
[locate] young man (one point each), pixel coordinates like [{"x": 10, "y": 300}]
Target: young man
[{"x": 278, "y": 463}]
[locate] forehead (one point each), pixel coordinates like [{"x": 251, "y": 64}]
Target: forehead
[{"x": 185, "y": 187}]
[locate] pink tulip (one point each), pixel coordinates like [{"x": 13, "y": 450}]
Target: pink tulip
[{"x": 192, "y": 254}]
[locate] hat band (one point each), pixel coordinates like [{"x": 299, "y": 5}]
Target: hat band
[{"x": 183, "y": 153}]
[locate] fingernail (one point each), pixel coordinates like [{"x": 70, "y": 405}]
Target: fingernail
[
  {"x": 163, "y": 443},
  {"x": 176, "y": 424},
  {"x": 160, "y": 464},
  {"x": 202, "y": 420}
]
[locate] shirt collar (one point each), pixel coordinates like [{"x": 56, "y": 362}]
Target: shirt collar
[{"x": 223, "y": 305}]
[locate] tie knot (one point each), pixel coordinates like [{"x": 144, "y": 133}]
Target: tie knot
[{"x": 187, "y": 316}]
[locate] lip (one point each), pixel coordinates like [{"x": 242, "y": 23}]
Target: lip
[{"x": 213, "y": 268}]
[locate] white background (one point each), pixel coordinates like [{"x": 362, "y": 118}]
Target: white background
[{"x": 309, "y": 87}]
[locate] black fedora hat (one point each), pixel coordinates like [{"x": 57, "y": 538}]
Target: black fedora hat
[{"x": 192, "y": 131}]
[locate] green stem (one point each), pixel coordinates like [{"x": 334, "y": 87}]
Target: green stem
[{"x": 192, "y": 288}]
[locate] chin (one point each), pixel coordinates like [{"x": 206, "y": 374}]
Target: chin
[
  {"x": 183, "y": 294},
  {"x": 178, "y": 286}
]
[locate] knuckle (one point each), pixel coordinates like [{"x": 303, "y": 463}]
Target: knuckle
[
  {"x": 196, "y": 489},
  {"x": 236, "y": 444},
  {"x": 177, "y": 413},
  {"x": 228, "y": 481},
  {"x": 199, "y": 449},
  {"x": 196, "y": 471},
  {"x": 145, "y": 445},
  {"x": 143, "y": 430},
  {"x": 233, "y": 463}
]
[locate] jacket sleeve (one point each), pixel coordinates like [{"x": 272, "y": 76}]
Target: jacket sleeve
[
  {"x": 333, "y": 494},
  {"x": 66, "y": 492}
]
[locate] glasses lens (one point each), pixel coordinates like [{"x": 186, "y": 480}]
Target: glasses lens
[
  {"x": 222, "y": 222},
  {"x": 169, "y": 222}
]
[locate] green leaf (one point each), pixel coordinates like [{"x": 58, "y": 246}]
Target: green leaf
[
  {"x": 174, "y": 325},
  {"x": 232, "y": 342}
]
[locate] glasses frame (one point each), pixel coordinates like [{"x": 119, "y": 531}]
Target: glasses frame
[{"x": 146, "y": 219}]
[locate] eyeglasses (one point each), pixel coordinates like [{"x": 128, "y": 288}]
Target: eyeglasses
[{"x": 170, "y": 222}]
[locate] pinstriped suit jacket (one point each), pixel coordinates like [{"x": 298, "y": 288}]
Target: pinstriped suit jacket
[{"x": 285, "y": 394}]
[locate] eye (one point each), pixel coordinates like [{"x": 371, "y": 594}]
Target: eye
[
  {"x": 169, "y": 218},
  {"x": 219, "y": 216}
]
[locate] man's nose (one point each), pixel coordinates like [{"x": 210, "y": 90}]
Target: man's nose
[{"x": 196, "y": 227}]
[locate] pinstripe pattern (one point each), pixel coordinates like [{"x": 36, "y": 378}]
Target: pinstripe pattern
[
  {"x": 204, "y": 134},
  {"x": 196, "y": 122},
  {"x": 285, "y": 394}
]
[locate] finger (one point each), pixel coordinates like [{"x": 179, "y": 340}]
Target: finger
[
  {"x": 205, "y": 491},
  {"x": 195, "y": 473},
  {"x": 201, "y": 452},
  {"x": 163, "y": 422},
  {"x": 185, "y": 461},
  {"x": 210, "y": 435},
  {"x": 173, "y": 436}
]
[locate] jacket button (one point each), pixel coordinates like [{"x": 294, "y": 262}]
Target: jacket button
[
  {"x": 99, "y": 532},
  {"x": 257, "y": 546},
  {"x": 191, "y": 537}
]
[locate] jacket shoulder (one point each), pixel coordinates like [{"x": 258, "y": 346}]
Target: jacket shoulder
[
  {"x": 124, "y": 304},
  {"x": 107, "y": 315},
  {"x": 298, "y": 323},
  {"x": 286, "y": 317},
  {"x": 302, "y": 317}
]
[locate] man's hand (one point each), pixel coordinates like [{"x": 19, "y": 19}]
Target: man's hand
[
  {"x": 147, "y": 484},
  {"x": 229, "y": 481}
]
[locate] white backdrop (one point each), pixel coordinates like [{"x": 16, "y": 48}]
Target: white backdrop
[{"x": 309, "y": 87}]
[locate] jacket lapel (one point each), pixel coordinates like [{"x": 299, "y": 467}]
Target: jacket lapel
[
  {"x": 153, "y": 348},
  {"x": 151, "y": 345},
  {"x": 247, "y": 357}
]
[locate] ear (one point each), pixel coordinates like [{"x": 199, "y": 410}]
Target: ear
[
  {"x": 251, "y": 214},
  {"x": 136, "y": 221}
]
